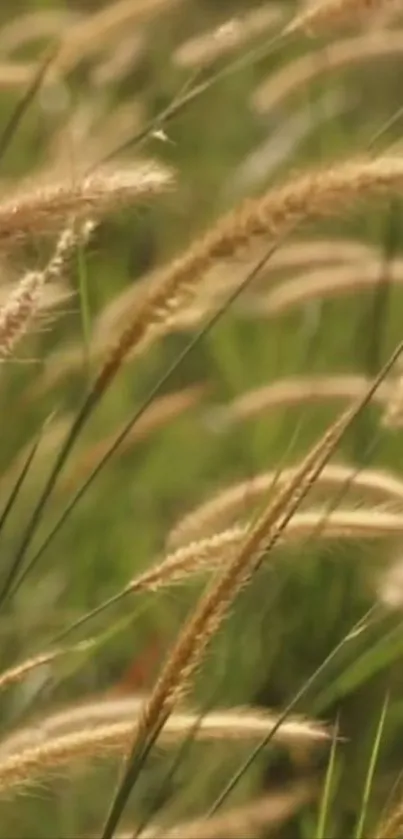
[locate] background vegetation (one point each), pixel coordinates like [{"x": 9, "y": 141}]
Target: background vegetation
[{"x": 231, "y": 141}]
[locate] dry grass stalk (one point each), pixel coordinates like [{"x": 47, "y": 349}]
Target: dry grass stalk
[
  {"x": 219, "y": 279},
  {"x": 320, "y": 284},
  {"x": 190, "y": 559},
  {"x": 212, "y": 608},
  {"x": 214, "y": 551},
  {"x": 311, "y": 195},
  {"x": 324, "y": 15},
  {"x": 18, "y": 672},
  {"x": 237, "y": 499},
  {"x": 293, "y": 391},
  {"x": 218, "y": 282},
  {"x": 22, "y": 305},
  {"x": 242, "y": 822},
  {"x": 231, "y": 35},
  {"x": 297, "y": 75},
  {"x": 39, "y": 209},
  {"x": 94, "y": 740}
]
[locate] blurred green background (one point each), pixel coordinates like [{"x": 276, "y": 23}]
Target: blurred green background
[{"x": 305, "y": 600}]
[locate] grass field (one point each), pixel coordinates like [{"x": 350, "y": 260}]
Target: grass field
[{"x": 201, "y": 518}]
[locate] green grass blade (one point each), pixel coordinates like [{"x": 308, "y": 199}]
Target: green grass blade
[
  {"x": 328, "y": 787},
  {"x": 359, "y": 832}
]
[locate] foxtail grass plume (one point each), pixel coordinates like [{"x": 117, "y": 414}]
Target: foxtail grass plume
[
  {"x": 285, "y": 393},
  {"x": 215, "y": 550},
  {"x": 324, "y": 15},
  {"x": 321, "y": 285},
  {"x": 242, "y": 822},
  {"x": 237, "y": 499},
  {"x": 44, "y": 751},
  {"x": 41, "y": 208},
  {"x": 212, "y": 608},
  {"x": 295, "y": 76},
  {"x": 314, "y": 194},
  {"x": 20, "y": 308},
  {"x": 231, "y": 35}
]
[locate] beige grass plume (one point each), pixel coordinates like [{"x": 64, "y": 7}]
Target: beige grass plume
[
  {"x": 215, "y": 550},
  {"x": 231, "y": 35},
  {"x": 324, "y": 15},
  {"x": 296, "y": 75},
  {"x": 220, "y": 278},
  {"x": 19, "y": 671},
  {"x": 242, "y": 822},
  {"x": 314, "y": 194},
  {"x": 36, "y": 751},
  {"x": 291, "y": 391},
  {"x": 212, "y": 608},
  {"x": 20, "y": 308},
  {"x": 43, "y": 206},
  {"x": 322, "y": 284},
  {"x": 237, "y": 499}
]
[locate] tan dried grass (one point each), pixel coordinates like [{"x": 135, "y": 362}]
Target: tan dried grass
[
  {"x": 238, "y": 499},
  {"x": 288, "y": 392},
  {"x": 297, "y": 75},
  {"x": 40, "y": 208},
  {"x": 45, "y": 748},
  {"x": 242, "y": 822},
  {"x": 221, "y": 278},
  {"x": 20, "y": 308},
  {"x": 311, "y": 195},
  {"x": 323, "y": 284},
  {"x": 231, "y": 35},
  {"x": 214, "y": 551},
  {"x": 324, "y": 15},
  {"x": 19, "y": 671},
  {"x": 186, "y": 654}
]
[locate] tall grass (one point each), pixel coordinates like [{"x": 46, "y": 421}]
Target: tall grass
[{"x": 202, "y": 390}]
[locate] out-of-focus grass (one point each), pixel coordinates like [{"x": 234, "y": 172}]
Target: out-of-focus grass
[{"x": 303, "y": 603}]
